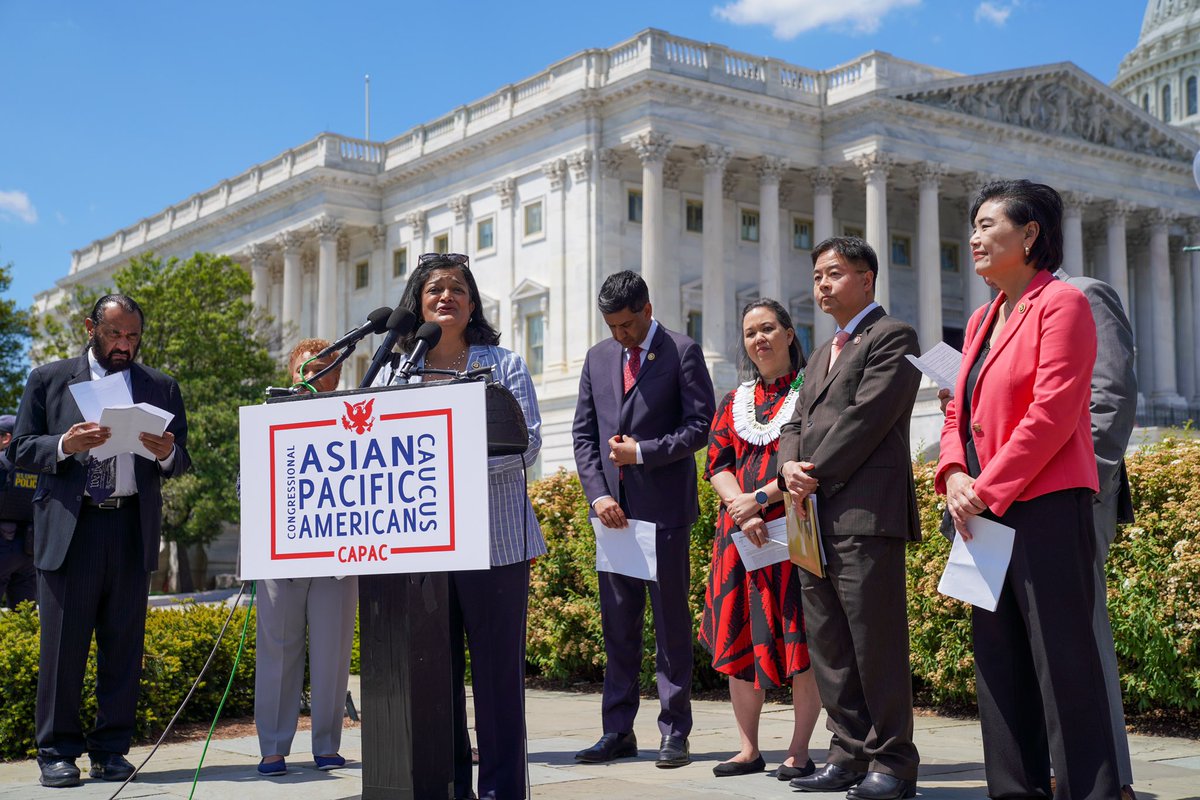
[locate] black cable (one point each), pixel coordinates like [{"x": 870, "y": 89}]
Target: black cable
[{"x": 191, "y": 691}]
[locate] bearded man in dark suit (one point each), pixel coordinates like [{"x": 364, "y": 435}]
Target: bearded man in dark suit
[
  {"x": 645, "y": 405},
  {"x": 847, "y": 443},
  {"x": 97, "y": 526}
]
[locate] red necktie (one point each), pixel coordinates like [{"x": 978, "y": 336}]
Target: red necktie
[
  {"x": 632, "y": 365},
  {"x": 839, "y": 341}
]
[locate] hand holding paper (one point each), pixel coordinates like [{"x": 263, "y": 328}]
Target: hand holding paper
[
  {"x": 127, "y": 423},
  {"x": 941, "y": 363},
  {"x": 976, "y": 568},
  {"x": 628, "y": 551}
]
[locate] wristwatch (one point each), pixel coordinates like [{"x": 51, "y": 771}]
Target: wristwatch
[{"x": 760, "y": 497}]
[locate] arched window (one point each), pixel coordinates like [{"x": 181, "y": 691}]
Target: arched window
[
  {"x": 1146, "y": 102},
  {"x": 1166, "y": 103},
  {"x": 1191, "y": 97}
]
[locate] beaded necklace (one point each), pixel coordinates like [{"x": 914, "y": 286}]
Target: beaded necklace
[{"x": 745, "y": 421}]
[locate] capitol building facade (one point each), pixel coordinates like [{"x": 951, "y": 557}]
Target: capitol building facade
[{"x": 712, "y": 173}]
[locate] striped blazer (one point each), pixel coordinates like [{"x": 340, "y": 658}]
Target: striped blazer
[{"x": 514, "y": 532}]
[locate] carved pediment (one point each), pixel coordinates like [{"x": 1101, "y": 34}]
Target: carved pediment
[
  {"x": 1059, "y": 101},
  {"x": 526, "y": 289}
]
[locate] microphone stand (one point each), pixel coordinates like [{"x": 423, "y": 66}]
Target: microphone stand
[{"x": 284, "y": 391}]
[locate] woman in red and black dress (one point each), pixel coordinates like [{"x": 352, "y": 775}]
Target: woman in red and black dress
[{"x": 753, "y": 623}]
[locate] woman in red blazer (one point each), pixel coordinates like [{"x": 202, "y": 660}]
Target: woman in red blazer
[{"x": 1017, "y": 447}]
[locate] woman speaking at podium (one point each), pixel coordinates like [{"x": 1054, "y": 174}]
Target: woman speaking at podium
[{"x": 488, "y": 606}]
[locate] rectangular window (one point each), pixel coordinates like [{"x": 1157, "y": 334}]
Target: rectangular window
[
  {"x": 1191, "y": 96},
  {"x": 534, "y": 338},
  {"x": 533, "y": 219},
  {"x": 802, "y": 234},
  {"x": 634, "y": 202},
  {"x": 485, "y": 234},
  {"x": 804, "y": 333},
  {"x": 399, "y": 262},
  {"x": 749, "y": 225},
  {"x": 949, "y": 255},
  {"x": 362, "y": 275},
  {"x": 695, "y": 326},
  {"x": 850, "y": 230},
  {"x": 441, "y": 243},
  {"x": 694, "y": 213},
  {"x": 901, "y": 251}
]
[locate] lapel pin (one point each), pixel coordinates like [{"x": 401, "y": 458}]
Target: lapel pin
[
  {"x": 650, "y": 356},
  {"x": 474, "y": 365},
  {"x": 1021, "y": 308},
  {"x": 858, "y": 339}
]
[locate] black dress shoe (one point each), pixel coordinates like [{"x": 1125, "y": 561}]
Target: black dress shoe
[
  {"x": 785, "y": 773},
  {"x": 881, "y": 786},
  {"x": 113, "y": 767},
  {"x": 673, "y": 752},
  {"x": 727, "y": 769},
  {"x": 59, "y": 773},
  {"x": 829, "y": 778},
  {"x": 610, "y": 746}
]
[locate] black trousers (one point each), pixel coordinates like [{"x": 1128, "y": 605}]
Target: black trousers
[
  {"x": 1040, "y": 682},
  {"x": 489, "y": 606},
  {"x": 100, "y": 588},
  {"x": 857, "y": 624}
]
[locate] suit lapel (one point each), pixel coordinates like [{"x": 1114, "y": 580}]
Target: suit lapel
[
  {"x": 856, "y": 335},
  {"x": 140, "y": 384},
  {"x": 1025, "y": 303},
  {"x": 617, "y": 373}
]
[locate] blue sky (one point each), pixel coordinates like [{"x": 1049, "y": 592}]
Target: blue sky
[{"x": 112, "y": 111}]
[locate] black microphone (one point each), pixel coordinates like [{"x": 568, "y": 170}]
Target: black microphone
[
  {"x": 399, "y": 323},
  {"x": 376, "y": 323},
  {"x": 428, "y": 335}
]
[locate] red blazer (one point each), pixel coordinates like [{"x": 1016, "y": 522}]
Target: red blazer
[{"x": 1029, "y": 413}]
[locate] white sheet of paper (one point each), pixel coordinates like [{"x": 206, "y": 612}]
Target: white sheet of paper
[
  {"x": 975, "y": 570},
  {"x": 93, "y": 397},
  {"x": 127, "y": 422},
  {"x": 774, "y": 550},
  {"x": 628, "y": 551},
  {"x": 941, "y": 363}
]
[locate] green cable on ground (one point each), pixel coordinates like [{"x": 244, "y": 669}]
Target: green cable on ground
[{"x": 229, "y": 685}]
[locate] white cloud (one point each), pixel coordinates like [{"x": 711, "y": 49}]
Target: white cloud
[
  {"x": 995, "y": 13},
  {"x": 16, "y": 205},
  {"x": 790, "y": 18}
]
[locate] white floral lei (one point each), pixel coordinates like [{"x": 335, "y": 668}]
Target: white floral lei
[{"x": 745, "y": 421}]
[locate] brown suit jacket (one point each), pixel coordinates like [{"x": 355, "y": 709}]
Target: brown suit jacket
[{"x": 852, "y": 424}]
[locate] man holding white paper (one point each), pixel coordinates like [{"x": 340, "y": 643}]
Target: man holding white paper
[
  {"x": 645, "y": 407},
  {"x": 97, "y": 529}
]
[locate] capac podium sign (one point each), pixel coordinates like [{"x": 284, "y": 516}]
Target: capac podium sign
[{"x": 365, "y": 482}]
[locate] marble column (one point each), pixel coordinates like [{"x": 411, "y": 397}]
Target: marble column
[
  {"x": 770, "y": 170},
  {"x": 379, "y": 266},
  {"x": 290, "y": 243},
  {"x": 579, "y": 257},
  {"x": 929, "y": 255},
  {"x": 327, "y": 229},
  {"x": 1073, "y": 204},
  {"x": 652, "y": 148},
  {"x": 1141, "y": 309},
  {"x": 554, "y": 329},
  {"x": 975, "y": 292},
  {"x": 460, "y": 238},
  {"x": 1166, "y": 390},
  {"x": 718, "y": 297},
  {"x": 1193, "y": 261},
  {"x": 823, "y": 181},
  {"x": 261, "y": 294},
  {"x": 875, "y": 168},
  {"x": 1185, "y": 339},
  {"x": 506, "y": 249},
  {"x": 1115, "y": 216},
  {"x": 610, "y": 230}
]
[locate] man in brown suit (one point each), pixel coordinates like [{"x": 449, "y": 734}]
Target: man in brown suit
[{"x": 847, "y": 443}]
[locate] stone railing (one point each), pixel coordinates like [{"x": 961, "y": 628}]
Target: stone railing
[{"x": 650, "y": 50}]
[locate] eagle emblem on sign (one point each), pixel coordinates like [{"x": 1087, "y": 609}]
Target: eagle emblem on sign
[{"x": 359, "y": 417}]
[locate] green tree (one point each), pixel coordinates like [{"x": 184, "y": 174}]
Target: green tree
[
  {"x": 202, "y": 330},
  {"x": 14, "y": 336}
]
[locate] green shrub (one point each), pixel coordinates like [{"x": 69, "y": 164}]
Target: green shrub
[{"x": 177, "y": 643}]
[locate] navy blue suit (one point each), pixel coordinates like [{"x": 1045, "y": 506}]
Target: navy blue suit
[{"x": 668, "y": 412}]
